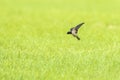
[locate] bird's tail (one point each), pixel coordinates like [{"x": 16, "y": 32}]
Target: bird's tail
[{"x": 77, "y": 37}]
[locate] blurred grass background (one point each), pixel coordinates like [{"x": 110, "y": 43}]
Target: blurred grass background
[{"x": 34, "y": 44}]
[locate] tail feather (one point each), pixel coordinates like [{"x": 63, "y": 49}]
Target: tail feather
[{"x": 77, "y": 37}]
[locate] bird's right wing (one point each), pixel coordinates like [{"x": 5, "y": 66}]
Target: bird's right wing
[{"x": 78, "y": 26}]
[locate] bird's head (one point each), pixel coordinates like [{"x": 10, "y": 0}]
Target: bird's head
[{"x": 69, "y": 32}]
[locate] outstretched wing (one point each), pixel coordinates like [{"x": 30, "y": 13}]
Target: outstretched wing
[{"x": 78, "y": 26}]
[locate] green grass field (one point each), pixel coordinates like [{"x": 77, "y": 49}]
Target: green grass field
[{"x": 34, "y": 44}]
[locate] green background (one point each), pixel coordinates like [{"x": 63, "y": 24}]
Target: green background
[{"x": 34, "y": 44}]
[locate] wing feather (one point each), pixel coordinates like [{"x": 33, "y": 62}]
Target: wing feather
[{"x": 78, "y": 26}]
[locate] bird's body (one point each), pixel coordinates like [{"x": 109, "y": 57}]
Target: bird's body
[{"x": 74, "y": 30}]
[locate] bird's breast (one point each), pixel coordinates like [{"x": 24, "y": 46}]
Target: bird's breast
[{"x": 74, "y": 31}]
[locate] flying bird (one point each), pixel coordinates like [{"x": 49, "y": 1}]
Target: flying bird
[{"x": 74, "y": 30}]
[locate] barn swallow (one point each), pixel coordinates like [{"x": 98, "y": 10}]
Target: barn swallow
[{"x": 74, "y": 30}]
